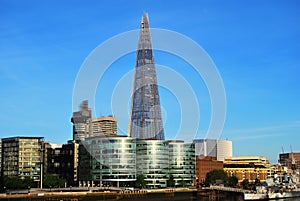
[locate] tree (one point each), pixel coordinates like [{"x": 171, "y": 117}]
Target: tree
[
  {"x": 257, "y": 182},
  {"x": 233, "y": 181},
  {"x": 13, "y": 182},
  {"x": 182, "y": 183},
  {"x": 53, "y": 180},
  {"x": 171, "y": 181},
  {"x": 140, "y": 181},
  {"x": 214, "y": 175},
  {"x": 245, "y": 184}
]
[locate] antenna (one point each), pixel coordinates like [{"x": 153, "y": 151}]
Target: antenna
[{"x": 282, "y": 149}]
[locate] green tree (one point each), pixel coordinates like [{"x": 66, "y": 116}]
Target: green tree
[
  {"x": 53, "y": 180},
  {"x": 245, "y": 184},
  {"x": 182, "y": 183},
  {"x": 214, "y": 175},
  {"x": 257, "y": 182},
  {"x": 171, "y": 181},
  {"x": 233, "y": 181},
  {"x": 14, "y": 182},
  {"x": 140, "y": 181}
]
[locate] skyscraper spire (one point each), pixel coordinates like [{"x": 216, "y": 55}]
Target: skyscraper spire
[{"x": 146, "y": 119}]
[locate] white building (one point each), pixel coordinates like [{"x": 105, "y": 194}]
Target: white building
[{"x": 214, "y": 148}]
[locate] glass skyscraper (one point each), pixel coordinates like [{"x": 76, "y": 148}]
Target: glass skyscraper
[{"x": 146, "y": 119}]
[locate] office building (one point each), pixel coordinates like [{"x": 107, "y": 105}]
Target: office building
[
  {"x": 146, "y": 118},
  {"x": 213, "y": 148},
  {"x": 118, "y": 160},
  {"x": 205, "y": 164},
  {"x": 62, "y": 160},
  {"x": 22, "y": 157},
  {"x": 248, "y": 167},
  {"x": 152, "y": 161},
  {"x": 102, "y": 126},
  {"x": 109, "y": 161},
  {"x": 79, "y": 120},
  {"x": 182, "y": 163}
]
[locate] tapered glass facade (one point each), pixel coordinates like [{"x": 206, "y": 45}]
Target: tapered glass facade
[{"x": 146, "y": 119}]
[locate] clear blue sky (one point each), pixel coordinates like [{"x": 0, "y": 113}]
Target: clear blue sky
[{"x": 254, "y": 44}]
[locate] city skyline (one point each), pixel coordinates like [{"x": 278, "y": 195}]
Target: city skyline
[{"x": 254, "y": 47}]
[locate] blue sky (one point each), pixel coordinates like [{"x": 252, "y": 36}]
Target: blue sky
[{"x": 254, "y": 44}]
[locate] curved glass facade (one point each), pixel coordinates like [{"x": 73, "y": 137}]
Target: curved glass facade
[
  {"x": 152, "y": 161},
  {"x": 182, "y": 163},
  {"x": 114, "y": 160},
  {"x": 117, "y": 161}
]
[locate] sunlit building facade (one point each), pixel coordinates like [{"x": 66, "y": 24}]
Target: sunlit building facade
[
  {"x": 146, "y": 118},
  {"x": 182, "y": 163},
  {"x": 22, "y": 157},
  {"x": 112, "y": 161},
  {"x": 152, "y": 161},
  {"x": 248, "y": 167}
]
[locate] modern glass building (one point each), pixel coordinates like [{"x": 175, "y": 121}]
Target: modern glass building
[
  {"x": 145, "y": 119},
  {"x": 113, "y": 160},
  {"x": 152, "y": 161},
  {"x": 182, "y": 162},
  {"x": 118, "y": 160}
]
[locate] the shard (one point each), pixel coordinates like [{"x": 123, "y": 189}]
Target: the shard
[{"x": 146, "y": 118}]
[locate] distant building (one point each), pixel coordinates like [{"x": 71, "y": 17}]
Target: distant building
[
  {"x": 79, "y": 120},
  {"x": 248, "y": 167},
  {"x": 63, "y": 161},
  {"x": 22, "y": 157},
  {"x": 290, "y": 160},
  {"x": 102, "y": 126},
  {"x": 205, "y": 164},
  {"x": 213, "y": 148}
]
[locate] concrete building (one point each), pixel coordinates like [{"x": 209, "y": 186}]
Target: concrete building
[
  {"x": 62, "y": 160},
  {"x": 213, "y": 148},
  {"x": 79, "y": 120},
  {"x": 248, "y": 167},
  {"x": 205, "y": 164},
  {"x": 102, "y": 126},
  {"x": 22, "y": 157}
]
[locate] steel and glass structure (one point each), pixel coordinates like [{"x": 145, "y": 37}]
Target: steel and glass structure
[
  {"x": 146, "y": 119},
  {"x": 152, "y": 161},
  {"x": 182, "y": 163},
  {"x": 113, "y": 160}
]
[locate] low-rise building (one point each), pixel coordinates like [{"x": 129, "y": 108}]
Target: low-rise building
[
  {"x": 205, "y": 164},
  {"x": 248, "y": 167}
]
